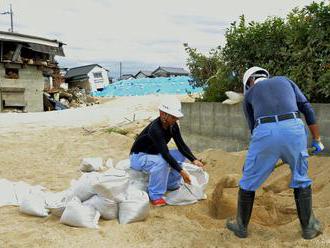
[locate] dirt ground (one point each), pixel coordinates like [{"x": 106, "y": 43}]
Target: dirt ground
[{"x": 47, "y": 151}]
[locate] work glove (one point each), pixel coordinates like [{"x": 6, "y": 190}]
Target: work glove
[{"x": 317, "y": 146}]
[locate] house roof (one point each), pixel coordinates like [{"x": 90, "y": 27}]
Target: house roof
[
  {"x": 146, "y": 73},
  {"x": 34, "y": 43},
  {"x": 126, "y": 76},
  {"x": 81, "y": 70},
  {"x": 173, "y": 70}
]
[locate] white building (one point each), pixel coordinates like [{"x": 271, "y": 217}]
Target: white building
[{"x": 89, "y": 77}]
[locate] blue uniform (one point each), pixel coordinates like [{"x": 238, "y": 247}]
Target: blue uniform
[
  {"x": 150, "y": 154},
  {"x": 161, "y": 176},
  {"x": 276, "y": 137}
]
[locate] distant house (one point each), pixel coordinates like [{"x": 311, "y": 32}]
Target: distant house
[
  {"x": 89, "y": 77},
  {"x": 126, "y": 77},
  {"x": 162, "y": 71},
  {"x": 27, "y": 66},
  {"x": 144, "y": 74}
]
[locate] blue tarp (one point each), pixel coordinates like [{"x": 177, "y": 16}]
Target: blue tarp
[{"x": 146, "y": 86}]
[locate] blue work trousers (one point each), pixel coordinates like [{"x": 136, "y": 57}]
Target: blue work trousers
[
  {"x": 161, "y": 176},
  {"x": 286, "y": 140}
]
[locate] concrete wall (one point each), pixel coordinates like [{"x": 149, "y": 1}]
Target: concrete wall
[
  {"x": 32, "y": 80},
  {"x": 216, "y": 125}
]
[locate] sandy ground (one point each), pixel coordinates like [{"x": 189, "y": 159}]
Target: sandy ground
[{"x": 46, "y": 149}]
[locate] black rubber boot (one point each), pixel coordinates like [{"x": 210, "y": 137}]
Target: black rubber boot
[
  {"x": 244, "y": 210},
  {"x": 311, "y": 227}
]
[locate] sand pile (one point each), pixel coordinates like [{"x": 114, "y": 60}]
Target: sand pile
[{"x": 50, "y": 156}]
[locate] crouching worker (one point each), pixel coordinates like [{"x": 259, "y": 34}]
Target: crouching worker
[
  {"x": 272, "y": 108},
  {"x": 150, "y": 153}
]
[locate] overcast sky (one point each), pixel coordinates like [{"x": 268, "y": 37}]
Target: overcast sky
[{"x": 142, "y": 34}]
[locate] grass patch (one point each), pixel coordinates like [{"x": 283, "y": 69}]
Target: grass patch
[{"x": 117, "y": 130}]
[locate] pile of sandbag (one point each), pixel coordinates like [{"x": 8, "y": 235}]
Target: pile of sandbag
[
  {"x": 117, "y": 193},
  {"x": 108, "y": 195}
]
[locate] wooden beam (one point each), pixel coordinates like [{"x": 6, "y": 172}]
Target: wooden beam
[
  {"x": 17, "y": 52},
  {"x": 11, "y": 89}
]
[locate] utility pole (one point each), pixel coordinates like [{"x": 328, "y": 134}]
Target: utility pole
[
  {"x": 11, "y": 19},
  {"x": 120, "y": 70},
  {"x": 11, "y": 13}
]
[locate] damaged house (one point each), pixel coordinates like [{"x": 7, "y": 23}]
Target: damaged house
[
  {"x": 26, "y": 66},
  {"x": 89, "y": 77}
]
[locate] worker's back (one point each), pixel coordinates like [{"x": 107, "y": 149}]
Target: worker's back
[{"x": 272, "y": 96}]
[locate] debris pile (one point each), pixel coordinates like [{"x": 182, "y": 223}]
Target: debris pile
[
  {"x": 63, "y": 99},
  {"x": 75, "y": 97}
]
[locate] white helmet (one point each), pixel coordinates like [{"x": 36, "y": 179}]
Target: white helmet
[
  {"x": 171, "y": 106},
  {"x": 253, "y": 71}
]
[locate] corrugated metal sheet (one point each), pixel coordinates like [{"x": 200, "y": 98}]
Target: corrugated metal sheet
[{"x": 46, "y": 49}]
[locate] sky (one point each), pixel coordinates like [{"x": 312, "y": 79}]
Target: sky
[{"x": 142, "y": 34}]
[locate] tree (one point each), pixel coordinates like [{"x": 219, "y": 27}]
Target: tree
[{"x": 297, "y": 46}]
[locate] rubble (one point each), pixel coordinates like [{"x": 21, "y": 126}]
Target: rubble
[
  {"x": 78, "y": 97},
  {"x": 71, "y": 98}
]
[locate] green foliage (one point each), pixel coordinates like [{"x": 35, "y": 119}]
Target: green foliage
[
  {"x": 203, "y": 67},
  {"x": 209, "y": 72},
  {"x": 297, "y": 46}
]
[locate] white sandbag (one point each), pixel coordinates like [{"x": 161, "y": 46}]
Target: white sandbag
[
  {"x": 34, "y": 204},
  {"x": 198, "y": 172},
  {"x": 233, "y": 97},
  {"x": 182, "y": 196},
  {"x": 13, "y": 193},
  {"x": 139, "y": 175},
  {"x": 188, "y": 194},
  {"x": 75, "y": 214},
  {"x": 22, "y": 189},
  {"x": 138, "y": 179},
  {"x": 123, "y": 165},
  {"x": 109, "y": 163},
  {"x": 135, "y": 207},
  {"x": 229, "y": 102},
  {"x": 82, "y": 187},
  {"x": 112, "y": 185},
  {"x": 139, "y": 184},
  {"x": 91, "y": 164},
  {"x": 56, "y": 202},
  {"x": 107, "y": 208}
]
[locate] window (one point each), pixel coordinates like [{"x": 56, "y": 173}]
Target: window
[
  {"x": 97, "y": 74},
  {"x": 11, "y": 73}
]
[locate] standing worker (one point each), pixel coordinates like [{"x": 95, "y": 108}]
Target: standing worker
[
  {"x": 271, "y": 107},
  {"x": 150, "y": 153}
]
